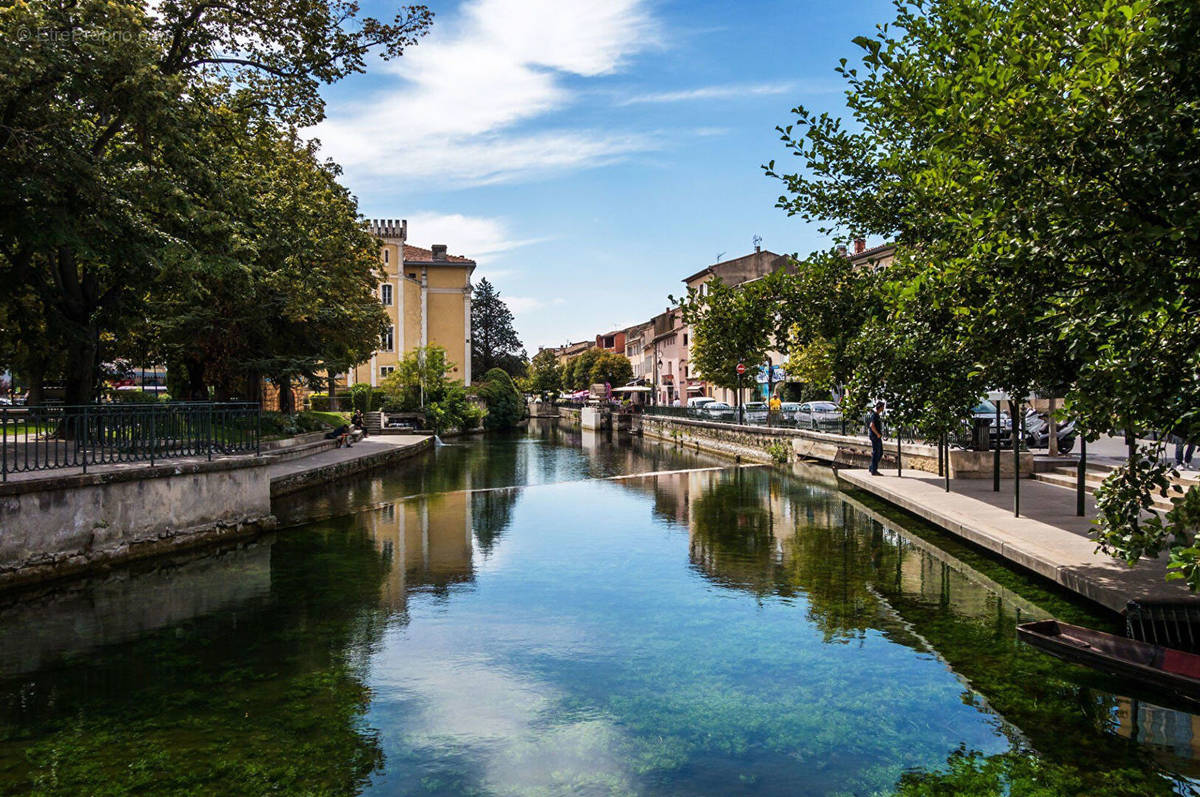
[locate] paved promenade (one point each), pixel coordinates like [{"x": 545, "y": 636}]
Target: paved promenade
[
  {"x": 1048, "y": 538},
  {"x": 371, "y": 452}
]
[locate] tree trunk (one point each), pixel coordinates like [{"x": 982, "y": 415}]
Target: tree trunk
[
  {"x": 287, "y": 400},
  {"x": 35, "y": 375},
  {"x": 80, "y": 383},
  {"x": 1052, "y": 429},
  {"x": 196, "y": 389}
]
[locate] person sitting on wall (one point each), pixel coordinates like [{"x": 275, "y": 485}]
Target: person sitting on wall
[
  {"x": 358, "y": 421},
  {"x": 341, "y": 435}
]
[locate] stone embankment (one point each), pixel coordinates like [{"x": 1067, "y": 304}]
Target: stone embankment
[
  {"x": 60, "y": 524},
  {"x": 767, "y": 444}
]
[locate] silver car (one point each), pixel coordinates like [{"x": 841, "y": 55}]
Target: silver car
[
  {"x": 718, "y": 411},
  {"x": 823, "y": 415},
  {"x": 755, "y": 412}
]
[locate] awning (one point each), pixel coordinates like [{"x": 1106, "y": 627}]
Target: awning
[
  {"x": 695, "y": 388},
  {"x": 631, "y": 389}
]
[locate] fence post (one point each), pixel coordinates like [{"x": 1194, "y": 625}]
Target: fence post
[
  {"x": 1016, "y": 444},
  {"x": 153, "y": 436},
  {"x": 258, "y": 431},
  {"x": 85, "y": 437},
  {"x": 996, "y": 453},
  {"x": 210, "y": 432},
  {"x": 899, "y": 464},
  {"x": 4, "y": 444},
  {"x": 1081, "y": 476}
]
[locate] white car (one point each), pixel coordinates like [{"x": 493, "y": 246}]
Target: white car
[
  {"x": 718, "y": 411},
  {"x": 755, "y": 412}
]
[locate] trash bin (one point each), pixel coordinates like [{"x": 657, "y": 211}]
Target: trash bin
[{"x": 981, "y": 439}]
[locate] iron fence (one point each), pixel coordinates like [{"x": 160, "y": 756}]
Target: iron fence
[
  {"x": 745, "y": 417},
  {"x": 79, "y": 436}
]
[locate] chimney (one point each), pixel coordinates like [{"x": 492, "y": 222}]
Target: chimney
[
  {"x": 860, "y": 245},
  {"x": 439, "y": 251}
]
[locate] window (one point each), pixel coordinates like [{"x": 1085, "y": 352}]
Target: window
[
  {"x": 385, "y": 295},
  {"x": 412, "y": 275},
  {"x": 385, "y": 256},
  {"x": 384, "y": 370},
  {"x": 389, "y": 339},
  {"x": 684, "y": 338}
]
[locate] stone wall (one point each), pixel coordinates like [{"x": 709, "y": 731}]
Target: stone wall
[
  {"x": 846, "y": 451},
  {"x": 338, "y": 470},
  {"x": 62, "y": 526}
]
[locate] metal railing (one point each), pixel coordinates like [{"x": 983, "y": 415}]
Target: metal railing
[
  {"x": 79, "y": 436},
  {"x": 751, "y": 418}
]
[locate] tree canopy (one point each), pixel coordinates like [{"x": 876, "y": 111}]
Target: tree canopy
[
  {"x": 141, "y": 151},
  {"x": 494, "y": 341},
  {"x": 1035, "y": 162},
  {"x": 545, "y": 376},
  {"x": 731, "y": 325},
  {"x": 597, "y": 366}
]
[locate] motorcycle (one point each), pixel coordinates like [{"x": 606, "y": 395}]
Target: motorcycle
[{"x": 1037, "y": 432}]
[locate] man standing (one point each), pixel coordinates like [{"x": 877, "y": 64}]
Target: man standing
[{"x": 875, "y": 432}]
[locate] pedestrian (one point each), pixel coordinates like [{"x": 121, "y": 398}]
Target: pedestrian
[
  {"x": 875, "y": 432},
  {"x": 1183, "y": 452},
  {"x": 358, "y": 421}
]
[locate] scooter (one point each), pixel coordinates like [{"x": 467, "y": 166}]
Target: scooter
[{"x": 1037, "y": 432}]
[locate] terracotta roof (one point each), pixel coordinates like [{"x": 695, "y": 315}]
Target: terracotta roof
[
  {"x": 875, "y": 250},
  {"x": 415, "y": 254}
]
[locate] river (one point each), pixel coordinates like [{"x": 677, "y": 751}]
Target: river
[{"x": 556, "y": 612}]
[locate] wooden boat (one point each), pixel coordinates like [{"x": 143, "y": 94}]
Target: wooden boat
[{"x": 1151, "y": 665}]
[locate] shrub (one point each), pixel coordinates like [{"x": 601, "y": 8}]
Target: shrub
[
  {"x": 134, "y": 397},
  {"x": 505, "y": 407},
  {"x": 778, "y": 451}
]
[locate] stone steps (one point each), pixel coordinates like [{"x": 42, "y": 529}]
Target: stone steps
[{"x": 1068, "y": 477}]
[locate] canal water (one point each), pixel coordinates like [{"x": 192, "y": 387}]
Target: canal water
[{"x": 557, "y": 612}]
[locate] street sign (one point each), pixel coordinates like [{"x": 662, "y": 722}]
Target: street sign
[{"x": 741, "y": 368}]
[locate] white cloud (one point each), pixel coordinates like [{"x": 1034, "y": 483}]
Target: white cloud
[
  {"x": 523, "y": 304},
  {"x": 476, "y": 237},
  {"x": 456, "y": 99},
  {"x": 710, "y": 93}
]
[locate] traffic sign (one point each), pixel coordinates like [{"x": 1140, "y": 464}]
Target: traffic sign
[{"x": 741, "y": 369}]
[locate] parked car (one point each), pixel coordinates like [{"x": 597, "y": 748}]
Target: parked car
[
  {"x": 755, "y": 412},
  {"x": 818, "y": 415},
  {"x": 788, "y": 411},
  {"x": 718, "y": 411},
  {"x": 986, "y": 409}
]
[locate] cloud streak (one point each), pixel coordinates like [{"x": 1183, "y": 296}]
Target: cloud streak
[{"x": 454, "y": 107}]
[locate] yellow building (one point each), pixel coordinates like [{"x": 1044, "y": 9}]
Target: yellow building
[{"x": 427, "y": 295}]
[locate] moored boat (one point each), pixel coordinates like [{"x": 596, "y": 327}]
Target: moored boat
[{"x": 1152, "y": 665}]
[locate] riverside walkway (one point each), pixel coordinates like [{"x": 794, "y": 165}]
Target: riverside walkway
[
  {"x": 333, "y": 463},
  {"x": 1048, "y": 538}
]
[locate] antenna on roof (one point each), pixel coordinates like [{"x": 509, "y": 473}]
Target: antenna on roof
[
  {"x": 719, "y": 256},
  {"x": 757, "y": 241}
]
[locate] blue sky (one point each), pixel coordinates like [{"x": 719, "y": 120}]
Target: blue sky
[{"x": 591, "y": 154}]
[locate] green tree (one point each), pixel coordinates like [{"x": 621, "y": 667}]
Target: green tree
[
  {"x": 421, "y": 383},
  {"x": 544, "y": 374},
  {"x": 494, "y": 341},
  {"x": 731, "y": 325},
  {"x": 505, "y": 405},
  {"x": 1037, "y": 160},
  {"x": 821, "y": 309},
  {"x": 100, "y": 135}
]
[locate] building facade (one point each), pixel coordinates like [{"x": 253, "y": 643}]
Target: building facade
[
  {"x": 735, "y": 272},
  {"x": 427, "y": 296}
]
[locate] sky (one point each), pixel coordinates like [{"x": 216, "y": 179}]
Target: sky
[{"x": 589, "y": 154}]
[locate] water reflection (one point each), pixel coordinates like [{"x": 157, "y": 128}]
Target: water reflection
[{"x": 520, "y": 615}]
